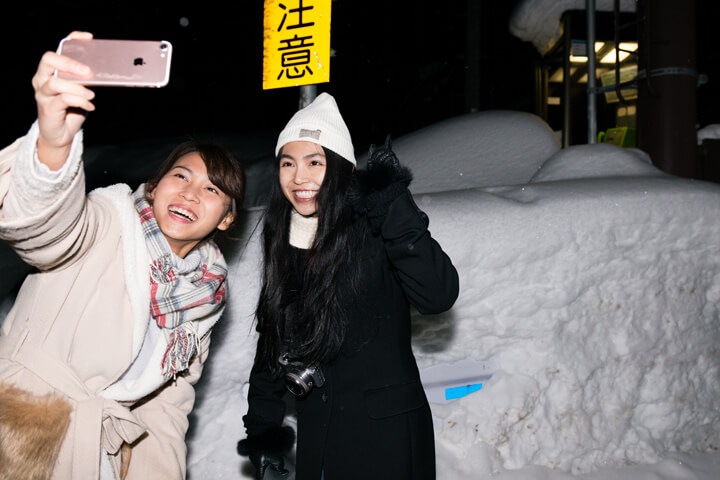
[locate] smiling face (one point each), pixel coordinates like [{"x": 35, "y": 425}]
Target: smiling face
[
  {"x": 188, "y": 206},
  {"x": 302, "y": 170}
]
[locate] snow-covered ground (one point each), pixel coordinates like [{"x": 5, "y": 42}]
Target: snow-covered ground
[{"x": 590, "y": 277}]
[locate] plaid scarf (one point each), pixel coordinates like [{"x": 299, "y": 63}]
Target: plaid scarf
[{"x": 177, "y": 298}]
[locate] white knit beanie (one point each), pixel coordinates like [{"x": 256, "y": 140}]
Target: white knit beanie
[{"x": 321, "y": 123}]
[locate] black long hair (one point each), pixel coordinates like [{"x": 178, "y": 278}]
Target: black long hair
[{"x": 332, "y": 260}]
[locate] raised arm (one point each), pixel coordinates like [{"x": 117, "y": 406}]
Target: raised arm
[
  {"x": 62, "y": 106},
  {"x": 42, "y": 190},
  {"x": 428, "y": 277}
]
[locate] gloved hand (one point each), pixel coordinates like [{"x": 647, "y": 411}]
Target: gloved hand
[
  {"x": 380, "y": 184},
  {"x": 383, "y": 166},
  {"x": 267, "y": 450},
  {"x": 273, "y": 463}
]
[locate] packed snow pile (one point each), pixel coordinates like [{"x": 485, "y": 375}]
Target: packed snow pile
[
  {"x": 480, "y": 149},
  {"x": 599, "y": 298},
  {"x": 711, "y": 132},
  {"x": 589, "y": 279},
  {"x": 594, "y": 283}
]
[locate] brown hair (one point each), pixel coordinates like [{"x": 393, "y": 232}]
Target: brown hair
[{"x": 224, "y": 171}]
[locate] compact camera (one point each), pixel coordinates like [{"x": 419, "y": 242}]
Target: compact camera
[{"x": 300, "y": 380}]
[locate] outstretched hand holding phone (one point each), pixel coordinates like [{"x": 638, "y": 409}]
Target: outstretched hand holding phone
[
  {"x": 62, "y": 105},
  {"x": 62, "y": 78}
]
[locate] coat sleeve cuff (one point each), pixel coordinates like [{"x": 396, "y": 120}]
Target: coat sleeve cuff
[
  {"x": 274, "y": 441},
  {"x": 38, "y": 187}
]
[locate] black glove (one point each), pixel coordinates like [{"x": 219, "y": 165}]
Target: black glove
[
  {"x": 383, "y": 166},
  {"x": 380, "y": 184},
  {"x": 268, "y": 449},
  {"x": 273, "y": 465}
]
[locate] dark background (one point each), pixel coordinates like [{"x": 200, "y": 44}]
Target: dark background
[{"x": 398, "y": 67}]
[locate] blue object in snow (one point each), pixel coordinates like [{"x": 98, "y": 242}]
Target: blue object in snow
[
  {"x": 446, "y": 382},
  {"x": 457, "y": 392}
]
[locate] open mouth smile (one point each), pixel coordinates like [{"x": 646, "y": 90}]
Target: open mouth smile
[
  {"x": 305, "y": 195},
  {"x": 182, "y": 213}
]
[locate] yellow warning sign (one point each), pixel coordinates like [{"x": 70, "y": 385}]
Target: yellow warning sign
[{"x": 296, "y": 44}]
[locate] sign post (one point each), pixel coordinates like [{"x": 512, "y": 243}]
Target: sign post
[{"x": 296, "y": 45}]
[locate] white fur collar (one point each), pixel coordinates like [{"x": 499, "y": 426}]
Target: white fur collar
[{"x": 136, "y": 261}]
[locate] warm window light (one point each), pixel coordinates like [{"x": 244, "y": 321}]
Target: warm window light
[
  {"x": 584, "y": 58},
  {"x": 628, "y": 111},
  {"x": 625, "y": 47},
  {"x": 557, "y": 76},
  {"x": 610, "y": 57}
]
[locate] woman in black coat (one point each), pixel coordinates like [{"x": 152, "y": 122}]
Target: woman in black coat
[{"x": 346, "y": 254}]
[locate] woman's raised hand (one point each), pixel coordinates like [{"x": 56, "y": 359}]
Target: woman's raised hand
[{"x": 62, "y": 105}]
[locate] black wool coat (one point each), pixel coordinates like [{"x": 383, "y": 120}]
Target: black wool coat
[{"x": 371, "y": 418}]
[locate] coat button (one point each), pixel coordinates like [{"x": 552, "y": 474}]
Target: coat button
[{"x": 324, "y": 397}]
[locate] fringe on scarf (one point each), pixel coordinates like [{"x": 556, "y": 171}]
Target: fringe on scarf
[{"x": 183, "y": 342}]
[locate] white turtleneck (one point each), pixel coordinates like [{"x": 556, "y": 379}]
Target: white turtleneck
[{"x": 302, "y": 230}]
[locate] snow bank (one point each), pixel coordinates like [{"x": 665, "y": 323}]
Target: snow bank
[
  {"x": 596, "y": 287},
  {"x": 711, "y": 131},
  {"x": 591, "y": 277},
  {"x": 600, "y": 299},
  {"x": 595, "y": 161},
  {"x": 476, "y": 150}
]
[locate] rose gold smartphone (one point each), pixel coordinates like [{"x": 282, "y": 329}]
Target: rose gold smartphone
[{"x": 119, "y": 63}]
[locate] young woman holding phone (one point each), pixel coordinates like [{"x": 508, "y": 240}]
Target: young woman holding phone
[{"x": 100, "y": 352}]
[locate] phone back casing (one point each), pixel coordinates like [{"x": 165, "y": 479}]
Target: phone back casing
[{"x": 126, "y": 63}]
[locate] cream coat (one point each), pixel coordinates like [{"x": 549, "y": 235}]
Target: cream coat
[{"x": 79, "y": 321}]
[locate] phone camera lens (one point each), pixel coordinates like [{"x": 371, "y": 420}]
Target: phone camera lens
[{"x": 163, "y": 47}]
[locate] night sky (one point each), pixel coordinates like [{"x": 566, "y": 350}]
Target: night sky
[{"x": 396, "y": 68}]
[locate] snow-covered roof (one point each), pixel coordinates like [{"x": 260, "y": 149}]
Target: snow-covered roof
[{"x": 539, "y": 21}]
